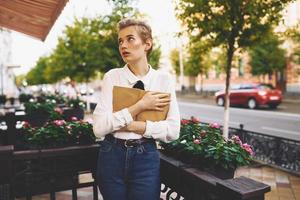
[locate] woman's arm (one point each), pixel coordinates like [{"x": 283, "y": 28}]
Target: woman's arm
[
  {"x": 105, "y": 121},
  {"x": 166, "y": 130}
]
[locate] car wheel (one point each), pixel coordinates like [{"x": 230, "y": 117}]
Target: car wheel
[
  {"x": 252, "y": 103},
  {"x": 220, "y": 101},
  {"x": 273, "y": 106}
]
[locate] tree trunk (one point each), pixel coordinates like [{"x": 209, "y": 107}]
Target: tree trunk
[
  {"x": 201, "y": 83},
  {"x": 230, "y": 52}
]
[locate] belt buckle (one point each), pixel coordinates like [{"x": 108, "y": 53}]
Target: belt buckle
[{"x": 128, "y": 145}]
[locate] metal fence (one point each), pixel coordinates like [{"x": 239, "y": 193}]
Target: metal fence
[{"x": 272, "y": 150}]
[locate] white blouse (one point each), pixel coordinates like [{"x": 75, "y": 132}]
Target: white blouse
[{"x": 106, "y": 122}]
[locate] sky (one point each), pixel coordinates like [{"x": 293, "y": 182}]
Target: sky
[{"x": 161, "y": 17}]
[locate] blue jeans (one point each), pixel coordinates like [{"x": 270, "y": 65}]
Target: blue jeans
[{"x": 131, "y": 173}]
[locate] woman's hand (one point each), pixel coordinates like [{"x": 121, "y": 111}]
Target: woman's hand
[{"x": 154, "y": 101}]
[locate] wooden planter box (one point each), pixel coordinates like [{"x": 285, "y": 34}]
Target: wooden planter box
[{"x": 33, "y": 172}]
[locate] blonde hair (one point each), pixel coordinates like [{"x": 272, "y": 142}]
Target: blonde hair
[{"x": 143, "y": 29}]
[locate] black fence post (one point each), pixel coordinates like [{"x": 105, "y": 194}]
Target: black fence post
[
  {"x": 10, "y": 119},
  {"x": 6, "y": 157}
]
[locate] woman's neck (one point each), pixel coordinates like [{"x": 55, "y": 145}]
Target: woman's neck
[{"x": 140, "y": 68}]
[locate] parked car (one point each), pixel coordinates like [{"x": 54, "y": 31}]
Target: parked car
[{"x": 251, "y": 95}]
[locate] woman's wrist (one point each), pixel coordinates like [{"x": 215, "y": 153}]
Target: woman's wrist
[{"x": 138, "y": 127}]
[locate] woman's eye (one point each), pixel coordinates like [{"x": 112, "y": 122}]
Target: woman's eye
[
  {"x": 130, "y": 39},
  {"x": 120, "y": 42}
]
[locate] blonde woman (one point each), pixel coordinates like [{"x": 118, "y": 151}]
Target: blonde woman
[{"x": 128, "y": 163}]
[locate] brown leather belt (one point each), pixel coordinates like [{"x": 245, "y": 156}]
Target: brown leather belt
[{"x": 130, "y": 142}]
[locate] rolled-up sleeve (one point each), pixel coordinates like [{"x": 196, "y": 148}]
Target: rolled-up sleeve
[
  {"x": 166, "y": 130},
  {"x": 104, "y": 120}
]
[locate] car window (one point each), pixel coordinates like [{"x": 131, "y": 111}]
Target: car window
[
  {"x": 247, "y": 86},
  {"x": 235, "y": 87},
  {"x": 265, "y": 86}
]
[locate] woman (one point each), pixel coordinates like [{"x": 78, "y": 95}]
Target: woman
[{"x": 128, "y": 162}]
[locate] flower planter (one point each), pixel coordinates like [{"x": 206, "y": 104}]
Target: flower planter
[
  {"x": 50, "y": 170},
  {"x": 220, "y": 172},
  {"x": 202, "y": 146}
]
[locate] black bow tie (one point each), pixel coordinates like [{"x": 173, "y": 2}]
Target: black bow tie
[{"x": 139, "y": 85}]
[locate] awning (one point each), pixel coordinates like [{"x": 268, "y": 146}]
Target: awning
[{"x": 31, "y": 17}]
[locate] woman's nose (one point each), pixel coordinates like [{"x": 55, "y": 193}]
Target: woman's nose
[{"x": 123, "y": 45}]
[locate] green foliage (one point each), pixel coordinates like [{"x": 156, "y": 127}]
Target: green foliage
[
  {"x": 194, "y": 64},
  {"x": 223, "y": 21},
  {"x": 25, "y": 97},
  {"x": 155, "y": 55},
  {"x": 75, "y": 103},
  {"x": 57, "y": 98},
  {"x": 294, "y": 34},
  {"x": 37, "y": 75},
  {"x": 87, "y": 47},
  {"x": 174, "y": 56},
  {"x": 206, "y": 143},
  {"x": 46, "y": 108},
  {"x": 267, "y": 56}
]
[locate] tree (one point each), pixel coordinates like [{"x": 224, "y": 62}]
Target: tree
[
  {"x": 90, "y": 46},
  {"x": 155, "y": 55},
  {"x": 174, "y": 57},
  {"x": 37, "y": 75},
  {"x": 233, "y": 24},
  {"x": 294, "y": 34},
  {"x": 267, "y": 56}
]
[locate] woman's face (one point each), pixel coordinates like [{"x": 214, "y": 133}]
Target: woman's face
[{"x": 131, "y": 46}]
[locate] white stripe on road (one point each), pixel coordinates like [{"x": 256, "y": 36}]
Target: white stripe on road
[
  {"x": 280, "y": 130},
  {"x": 205, "y": 119},
  {"x": 293, "y": 117}
]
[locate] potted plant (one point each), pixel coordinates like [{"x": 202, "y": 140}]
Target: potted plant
[
  {"x": 75, "y": 108},
  {"x": 57, "y": 133},
  {"x": 203, "y": 145},
  {"x": 39, "y": 113},
  {"x": 81, "y": 132},
  {"x": 25, "y": 97}
]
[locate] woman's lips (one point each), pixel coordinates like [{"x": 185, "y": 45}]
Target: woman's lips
[{"x": 125, "y": 54}]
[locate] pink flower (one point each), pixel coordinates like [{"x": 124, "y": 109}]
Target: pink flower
[
  {"x": 248, "y": 148},
  {"x": 195, "y": 120},
  {"x": 197, "y": 141},
  {"x": 236, "y": 140},
  {"x": 59, "y": 122},
  {"x": 59, "y": 110},
  {"x": 74, "y": 118},
  {"x": 214, "y": 125},
  {"x": 184, "y": 121},
  {"x": 26, "y": 124},
  {"x": 203, "y": 134}
]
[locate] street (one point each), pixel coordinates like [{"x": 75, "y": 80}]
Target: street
[{"x": 281, "y": 124}]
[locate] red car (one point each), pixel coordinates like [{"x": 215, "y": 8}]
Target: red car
[{"x": 251, "y": 95}]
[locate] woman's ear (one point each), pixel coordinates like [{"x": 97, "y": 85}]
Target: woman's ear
[{"x": 148, "y": 44}]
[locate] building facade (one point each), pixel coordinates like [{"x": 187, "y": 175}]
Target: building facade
[{"x": 7, "y": 78}]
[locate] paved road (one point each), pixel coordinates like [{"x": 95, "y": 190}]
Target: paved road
[{"x": 276, "y": 123}]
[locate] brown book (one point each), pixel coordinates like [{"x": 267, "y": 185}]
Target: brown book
[{"x": 124, "y": 97}]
